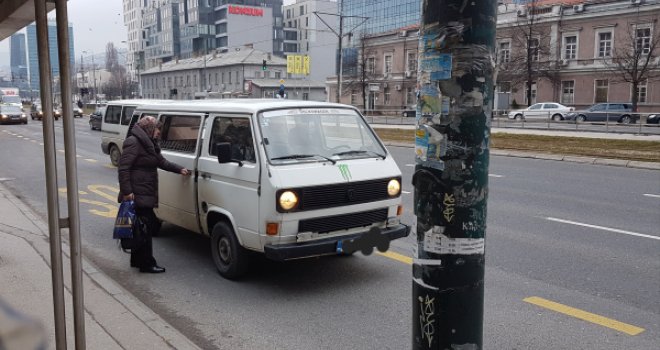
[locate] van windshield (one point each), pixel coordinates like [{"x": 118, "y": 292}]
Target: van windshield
[
  {"x": 11, "y": 99},
  {"x": 10, "y": 109},
  {"x": 320, "y": 134}
]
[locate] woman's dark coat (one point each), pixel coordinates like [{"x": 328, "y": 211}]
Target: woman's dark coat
[{"x": 138, "y": 166}]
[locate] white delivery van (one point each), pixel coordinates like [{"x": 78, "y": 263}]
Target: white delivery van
[
  {"x": 115, "y": 124},
  {"x": 289, "y": 179}
]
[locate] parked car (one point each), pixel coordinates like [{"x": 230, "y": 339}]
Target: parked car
[
  {"x": 543, "y": 110},
  {"x": 611, "y": 112},
  {"x": 96, "y": 119},
  {"x": 653, "y": 119},
  {"x": 37, "y": 113},
  {"x": 77, "y": 112},
  {"x": 11, "y": 113}
]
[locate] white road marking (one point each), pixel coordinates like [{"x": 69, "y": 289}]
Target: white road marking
[
  {"x": 405, "y": 192},
  {"x": 6, "y": 179},
  {"x": 652, "y": 195},
  {"x": 630, "y": 233},
  {"x": 495, "y": 175},
  {"x": 410, "y": 165},
  {"x": 91, "y": 160}
]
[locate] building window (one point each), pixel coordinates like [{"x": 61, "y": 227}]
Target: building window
[
  {"x": 411, "y": 66},
  {"x": 302, "y": 10},
  {"x": 505, "y": 51},
  {"x": 228, "y": 76},
  {"x": 216, "y": 78},
  {"x": 504, "y": 86},
  {"x": 387, "y": 67},
  {"x": 222, "y": 80},
  {"x": 305, "y": 96},
  {"x": 278, "y": 75},
  {"x": 643, "y": 40},
  {"x": 534, "y": 48},
  {"x": 257, "y": 75},
  {"x": 567, "y": 91},
  {"x": 570, "y": 47},
  {"x": 533, "y": 94},
  {"x": 353, "y": 97},
  {"x": 604, "y": 45},
  {"x": 410, "y": 95},
  {"x": 371, "y": 65},
  {"x": 641, "y": 92},
  {"x": 388, "y": 96},
  {"x": 601, "y": 90}
]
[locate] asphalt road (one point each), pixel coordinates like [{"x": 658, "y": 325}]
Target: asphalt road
[{"x": 561, "y": 236}]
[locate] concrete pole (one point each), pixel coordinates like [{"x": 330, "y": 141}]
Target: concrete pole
[
  {"x": 456, "y": 67},
  {"x": 339, "y": 50}
]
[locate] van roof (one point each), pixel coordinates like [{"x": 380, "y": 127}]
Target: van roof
[
  {"x": 237, "y": 105},
  {"x": 136, "y": 102}
]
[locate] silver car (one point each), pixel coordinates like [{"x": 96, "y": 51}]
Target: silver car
[{"x": 543, "y": 110}]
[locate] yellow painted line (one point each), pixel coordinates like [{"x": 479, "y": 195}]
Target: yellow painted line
[
  {"x": 60, "y": 150},
  {"x": 585, "y": 316},
  {"x": 110, "y": 166},
  {"x": 396, "y": 256},
  {"x": 91, "y": 160}
]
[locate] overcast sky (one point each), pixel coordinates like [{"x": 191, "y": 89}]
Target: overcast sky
[{"x": 95, "y": 23}]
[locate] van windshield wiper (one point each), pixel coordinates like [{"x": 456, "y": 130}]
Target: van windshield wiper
[
  {"x": 358, "y": 152},
  {"x": 299, "y": 156}
]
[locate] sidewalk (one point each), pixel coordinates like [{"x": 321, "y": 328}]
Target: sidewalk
[
  {"x": 548, "y": 156},
  {"x": 114, "y": 319}
]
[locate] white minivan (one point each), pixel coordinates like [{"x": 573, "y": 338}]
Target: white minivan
[
  {"x": 289, "y": 179},
  {"x": 115, "y": 124}
]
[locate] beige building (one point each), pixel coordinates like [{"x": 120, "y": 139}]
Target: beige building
[
  {"x": 384, "y": 66},
  {"x": 578, "y": 44}
]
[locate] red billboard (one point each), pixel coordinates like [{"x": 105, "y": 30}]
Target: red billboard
[{"x": 246, "y": 11}]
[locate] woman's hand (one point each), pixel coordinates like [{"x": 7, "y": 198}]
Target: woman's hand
[
  {"x": 185, "y": 172},
  {"x": 129, "y": 197}
]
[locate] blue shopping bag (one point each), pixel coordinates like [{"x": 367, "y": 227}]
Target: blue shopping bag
[{"x": 125, "y": 220}]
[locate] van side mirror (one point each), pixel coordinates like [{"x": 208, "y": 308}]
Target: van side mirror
[{"x": 223, "y": 151}]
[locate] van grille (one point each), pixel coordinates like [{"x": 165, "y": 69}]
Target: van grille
[
  {"x": 342, "y": 222},
  {"x": 328, "y": 196}
]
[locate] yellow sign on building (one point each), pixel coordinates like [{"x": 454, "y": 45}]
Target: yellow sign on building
[
  {"x": 298, "y": 64},
  {"x": 306, "y": 65},
  {"x": 290, "y": 63}
]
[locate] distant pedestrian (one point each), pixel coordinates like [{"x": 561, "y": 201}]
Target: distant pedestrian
[
  {"x": 80, "y": 104},
  {"x": 138, "y": 181}
]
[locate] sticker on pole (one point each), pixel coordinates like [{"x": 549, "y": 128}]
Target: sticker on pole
[{"x": 436, "y": 242}]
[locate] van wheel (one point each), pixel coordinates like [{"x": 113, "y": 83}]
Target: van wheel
[
  {"x": 229, "y": 257},
  {"x": 114, "y": 155}
]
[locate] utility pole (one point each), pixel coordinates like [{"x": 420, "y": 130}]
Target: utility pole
[
  {"x": 455, "y": 78},
  {"x": 340, "y": 36}
]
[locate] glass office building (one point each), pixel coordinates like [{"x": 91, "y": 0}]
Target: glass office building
[
  {"x": 33, "y": 59},
  {"x": 383, "y": 15}
]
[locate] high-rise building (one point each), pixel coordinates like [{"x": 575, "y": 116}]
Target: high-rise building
[
  {"x": 381, "y": 16},
  {"x": 306, "y": 34},
  {"x": 133, "y": 12},
  {"x": 33, "y": 58},
  {"x": 160, "y": 28},
  {"x": 18, "y": 60}
]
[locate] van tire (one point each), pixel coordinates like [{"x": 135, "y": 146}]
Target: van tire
[
  {"x": 229, "y": 257},
  {"x": 114, "y": 155}
]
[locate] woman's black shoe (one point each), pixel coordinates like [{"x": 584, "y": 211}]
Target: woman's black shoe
[{"x": 152, "y": 269}]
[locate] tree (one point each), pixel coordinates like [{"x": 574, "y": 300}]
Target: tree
[
  {"x": 119, "y": 84},
  {"x": 634, "y": 56},
  {"x": 363, "y": 72},
  {"x": 528, "y": 56}
]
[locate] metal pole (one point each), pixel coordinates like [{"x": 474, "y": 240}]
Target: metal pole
[
  {"x": 457, "y": 49},
  {"x": 96, "y": 93},
  {"x": 341, "y": 39},
  {"x": 71, "y": 173},
  {"x": 46, "y": 89}
]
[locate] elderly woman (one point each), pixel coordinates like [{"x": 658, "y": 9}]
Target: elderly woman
[{"x": 138, "y": 181}]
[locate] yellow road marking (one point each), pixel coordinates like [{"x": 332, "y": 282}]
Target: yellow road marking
[
  {"x": 396, "y": 256},
  {"x": 585, "y": 316},
  {"x": 60, "y": 150},
  {"x": 102, "y": 191},
  {"x": 91, "y": 160},
  {"x": 110, "y": 166}
]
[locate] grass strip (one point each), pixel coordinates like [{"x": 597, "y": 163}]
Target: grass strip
[{"x": 646, "y": 151}]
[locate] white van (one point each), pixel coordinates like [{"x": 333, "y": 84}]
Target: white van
[
  {"x": 115, "y": 124},
  {"x": 290, "y": 179}
]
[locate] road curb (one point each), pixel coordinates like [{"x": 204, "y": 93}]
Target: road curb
[
  {"x": 556, "y": 157},
  {"x": 40, "y": 243}
]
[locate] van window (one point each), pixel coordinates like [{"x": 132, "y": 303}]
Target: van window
[
  {"x": 113, "y": 114},
  {"x": 238, "y": 133},
  {"x": 179, "y": 133},
  {"x": 126, "y": 115}
]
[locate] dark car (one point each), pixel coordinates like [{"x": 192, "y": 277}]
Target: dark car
[
  {"x": 95, "y": 119},
  {"x": 600, "y": 112},
  {"x": 12, "y": 114},
  {"x": 37, "y": 113},
  {"x": 653, "y": 119}
]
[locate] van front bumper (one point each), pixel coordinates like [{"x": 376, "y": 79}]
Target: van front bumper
[{"x": 363, "y": 241}]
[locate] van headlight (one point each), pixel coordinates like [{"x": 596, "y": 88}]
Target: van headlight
[
  {"x": 288, "y": 200},
  {"x": 393, "y": 187}
]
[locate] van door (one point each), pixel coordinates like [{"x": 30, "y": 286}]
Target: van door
[
  {"x": 232, "y": 187},
  {"x": 179, "y": 144}
]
